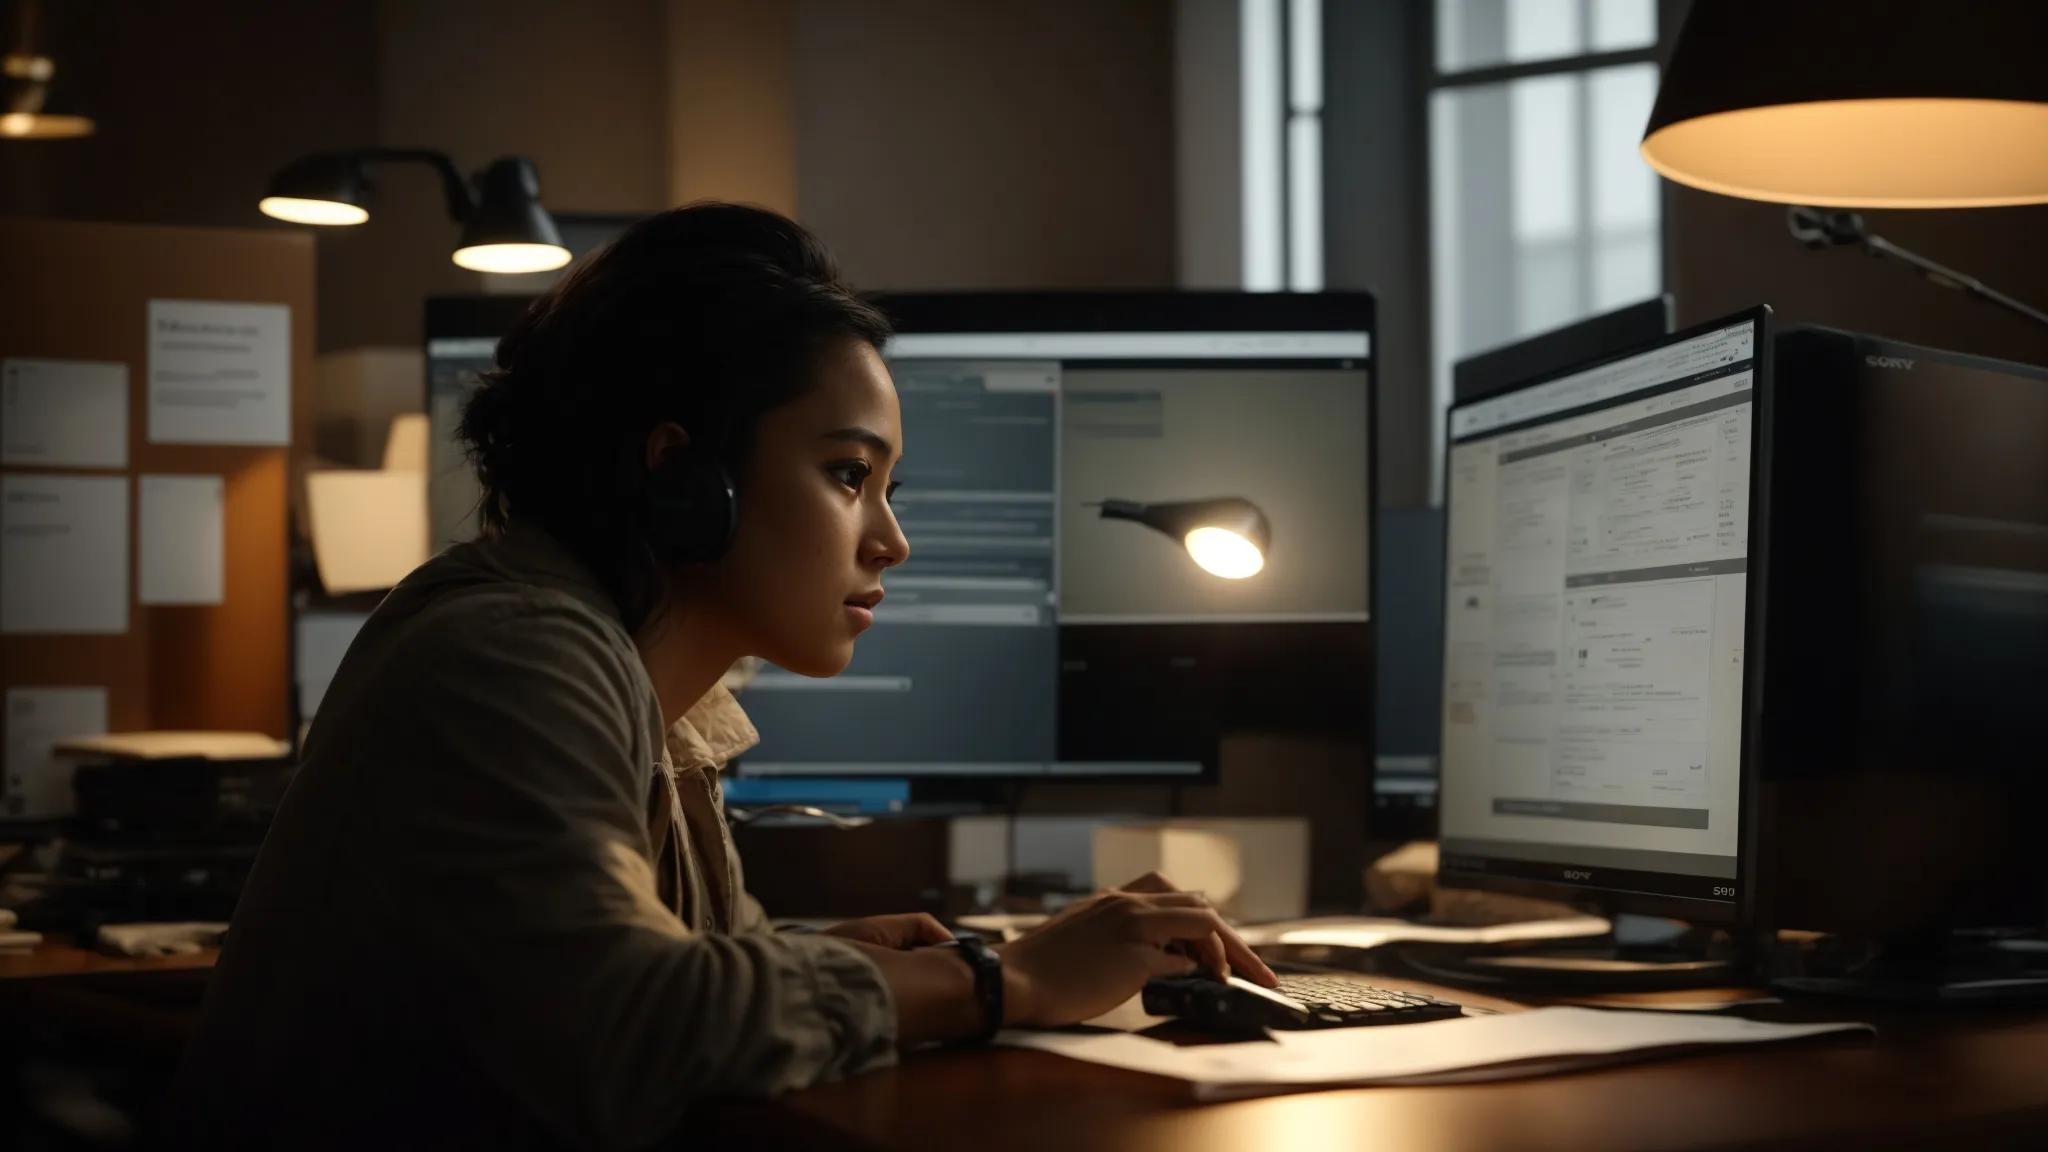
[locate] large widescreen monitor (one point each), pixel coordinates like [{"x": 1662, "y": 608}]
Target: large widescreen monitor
[{"x": 1598, "y": 710}]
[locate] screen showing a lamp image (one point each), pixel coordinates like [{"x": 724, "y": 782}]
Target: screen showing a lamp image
[
  {"x": 1057, "y": 489},
  {"x": 1595, "y": 615}
]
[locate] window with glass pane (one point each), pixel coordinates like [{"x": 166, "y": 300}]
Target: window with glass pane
[
  {"x": 1541, "y": 211},
  {"x": 1486, "y": 33}
]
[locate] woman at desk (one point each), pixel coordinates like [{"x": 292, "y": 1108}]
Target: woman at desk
[{"x": 500, "y": 905}]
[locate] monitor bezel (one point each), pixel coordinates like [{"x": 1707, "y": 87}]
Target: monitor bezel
[
  {"x": 1735, "y": 912},
  {"x": 1492, "y": 371},
  {"x": 473, "y": 317}
]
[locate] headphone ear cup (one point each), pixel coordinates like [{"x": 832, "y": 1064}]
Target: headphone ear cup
[{"x": 692, "y": 509}]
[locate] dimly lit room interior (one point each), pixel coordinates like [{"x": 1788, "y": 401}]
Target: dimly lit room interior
[{"x": 1085, "y": 573}]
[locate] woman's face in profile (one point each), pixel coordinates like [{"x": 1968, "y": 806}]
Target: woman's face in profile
[{"x": 815, "y": 528}]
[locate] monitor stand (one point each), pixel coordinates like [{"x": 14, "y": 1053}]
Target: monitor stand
[{"x": 1642, "y": 955}]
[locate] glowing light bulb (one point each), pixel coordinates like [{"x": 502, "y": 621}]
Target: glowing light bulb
[
  {"x": 302, "y": 211},
  {"x": 512, "y": 257},
  {"x": 1224, "y": 553}
]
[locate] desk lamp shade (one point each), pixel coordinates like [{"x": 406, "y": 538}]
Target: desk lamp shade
[
  {"x": 326, "y": 189},
  {"x": 1227, "y": 536},
  {"x": 1858, "y": 103},
  {"x": 509, "y": 231}
]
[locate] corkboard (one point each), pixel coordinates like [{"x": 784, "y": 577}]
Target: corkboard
[{"x": 78, "y": 291}]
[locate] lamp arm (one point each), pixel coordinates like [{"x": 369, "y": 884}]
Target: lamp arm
[
  {"x": 1942, "y": 274},
  {"x": 461, "y": 201}
]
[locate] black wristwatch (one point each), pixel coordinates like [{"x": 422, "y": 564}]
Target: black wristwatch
[{"x": 988, "y": 981}]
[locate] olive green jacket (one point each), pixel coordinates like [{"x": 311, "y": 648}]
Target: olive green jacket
[{"x": 500, "y": 905}]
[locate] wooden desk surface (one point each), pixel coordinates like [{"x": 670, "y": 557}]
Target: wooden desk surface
[
  {"x": 1931, "y": 1079},
  {"x": 1950, "y": 1079},
  {"x": 61, "y": 956}
]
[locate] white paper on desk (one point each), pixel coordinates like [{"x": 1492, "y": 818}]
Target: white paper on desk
[
  {"x": 1541, "y": 1041},
  {"x": 38, "y": 783},
  {"x": 219, "y": 373},
  {"x": 183, "y": 527},
  {"x": 174, "y": 746},
  {"x": 64, "y": 413},
  {"x": 1373, "y": 932},
  {"x": 63, "y": 554}
]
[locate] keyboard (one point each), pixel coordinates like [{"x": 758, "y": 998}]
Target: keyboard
[
  {"x": 1301, "y": 1001},
  {"x": 1347, "y": 1001}
]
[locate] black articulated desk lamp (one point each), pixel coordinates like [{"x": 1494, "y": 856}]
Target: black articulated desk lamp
[
  {"x": 1848, "y": 104},
  {"x": 1819, "y": 228},
  {"x": 504, "y": 227}
]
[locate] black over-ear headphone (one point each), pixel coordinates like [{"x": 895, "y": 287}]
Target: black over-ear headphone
[{"x": 692, "y": 509}]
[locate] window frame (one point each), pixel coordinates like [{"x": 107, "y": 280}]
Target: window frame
[{"x": 1669, "y": 16}]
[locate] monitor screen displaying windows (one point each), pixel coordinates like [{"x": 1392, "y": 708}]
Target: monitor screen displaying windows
[
  {"x": 1596, "y": 616},
  {"x": 1030, "y": 635}
]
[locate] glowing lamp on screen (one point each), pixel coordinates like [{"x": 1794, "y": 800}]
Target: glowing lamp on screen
[{"x": 1226, "y": 536}]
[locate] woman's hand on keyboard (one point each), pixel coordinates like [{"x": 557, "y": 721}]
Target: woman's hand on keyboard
[
  {"x": 1099, "y": 952},
  {"x": 1222, "y": 953}
]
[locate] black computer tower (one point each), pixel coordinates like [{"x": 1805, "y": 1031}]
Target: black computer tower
[{"x": 1903, "y": 773}]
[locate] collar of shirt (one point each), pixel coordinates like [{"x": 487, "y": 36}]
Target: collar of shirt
[{"x": 711, "y": 733}]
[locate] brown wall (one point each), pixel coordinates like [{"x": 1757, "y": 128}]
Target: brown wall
[
  {"x": 197, "y": 104},
  {"x": 943, "y": 144},
  {"x": 732, "y": 102},
  {"x": 1729, "y": 254}
]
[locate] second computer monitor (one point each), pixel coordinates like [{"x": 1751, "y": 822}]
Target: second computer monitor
[
  {"x": 1598, "y": 627},
  {"x": 1067, "y": 457}
]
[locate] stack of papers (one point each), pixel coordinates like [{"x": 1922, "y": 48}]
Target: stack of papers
[
  {"x": 174, "y": 746},
  {"x": 1517, "y": 1044},
  {"x": 1372, "y": 931}
]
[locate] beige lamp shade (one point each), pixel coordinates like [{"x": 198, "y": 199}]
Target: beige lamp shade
[
  {"x": 369, "y": 529},
  {"x": 1871, "y": 104},
  {"x": 406, "y": 444}
]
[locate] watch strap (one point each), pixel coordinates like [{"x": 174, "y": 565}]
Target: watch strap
[{"x": 988, "y": 981}]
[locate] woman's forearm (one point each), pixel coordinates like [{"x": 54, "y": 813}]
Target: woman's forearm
[{"x": 934, "y": 993}]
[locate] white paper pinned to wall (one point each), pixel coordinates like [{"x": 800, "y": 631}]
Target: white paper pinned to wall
[
  {"x": 64, "y": 414},
  {"x": 183, "y": 529},
  {"x": 63, "y": 554},
  {"x": 219, "y": 373},
  {"x": 37, "y": 784}
]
